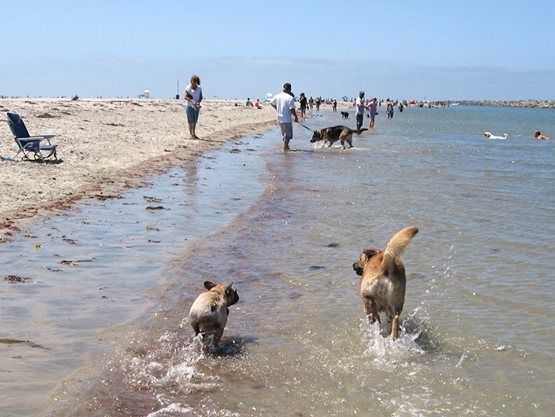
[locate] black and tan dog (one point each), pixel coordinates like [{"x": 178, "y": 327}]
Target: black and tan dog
[
  {"x": 383, "y": 282},
  {"x": 335, "y": 133},
  {"x": 345, "y": 114}
]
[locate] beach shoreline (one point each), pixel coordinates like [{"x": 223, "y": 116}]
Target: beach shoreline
[{"x": 107, "y": 146}]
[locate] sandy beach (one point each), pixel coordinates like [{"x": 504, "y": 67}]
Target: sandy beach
[{"x": 106, "y": 145}]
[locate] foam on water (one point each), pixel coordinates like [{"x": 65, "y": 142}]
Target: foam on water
[{"x": 385, "y": 351}]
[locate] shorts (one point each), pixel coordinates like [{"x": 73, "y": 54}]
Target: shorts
[
  {"x": 192, "y": 114},
  {"x": 286, "y": 130}
]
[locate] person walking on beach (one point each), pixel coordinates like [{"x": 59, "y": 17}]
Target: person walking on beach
[
  {"x": 284, "y": 103},
  {"x": 311, "y": 103},
  {"x": 373, "y": 109},
  {"x": 389, "y": 109},
  {"x": 302, "y": 102},
  {"x": 193, "y": 97},
  {"x": 360, "y": 105}
]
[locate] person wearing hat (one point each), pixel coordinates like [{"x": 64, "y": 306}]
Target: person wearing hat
[
  {"x": 360, "y": 105},
  {"x": 284, "y": 103}
]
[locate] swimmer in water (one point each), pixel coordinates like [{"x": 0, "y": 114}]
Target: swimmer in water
[{"x": 539, "y": 136}]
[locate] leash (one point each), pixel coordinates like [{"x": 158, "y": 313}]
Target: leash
[{"x": 307, "y": 128}]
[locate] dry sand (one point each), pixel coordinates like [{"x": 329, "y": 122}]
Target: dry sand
[{"x": 106, "y": 146}]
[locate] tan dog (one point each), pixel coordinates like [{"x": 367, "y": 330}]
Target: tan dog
[
  {"x": 208, "y": 314},
  {"x": 383, "y": 282}
]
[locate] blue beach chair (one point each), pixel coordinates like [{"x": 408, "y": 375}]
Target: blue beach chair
[{"x": 39, "y": 148}]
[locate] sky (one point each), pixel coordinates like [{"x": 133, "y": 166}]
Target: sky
[{"x": 400, "y": 49}]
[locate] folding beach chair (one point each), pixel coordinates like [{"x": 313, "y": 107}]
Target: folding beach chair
[{"x": 38, "y": 148}]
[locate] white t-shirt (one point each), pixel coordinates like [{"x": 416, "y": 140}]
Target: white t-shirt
[
  {"x": 360, "y": 105},
  {"x": 284, "y": 103},
  {"x": 196, "y": 93}
]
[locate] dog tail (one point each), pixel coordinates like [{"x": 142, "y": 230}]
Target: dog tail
[
  {"x": 398, "y": 243},
  {"x": 361, "y": 130}
]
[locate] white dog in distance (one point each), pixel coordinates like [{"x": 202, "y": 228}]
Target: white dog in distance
[{"x": 489, "y": 135}]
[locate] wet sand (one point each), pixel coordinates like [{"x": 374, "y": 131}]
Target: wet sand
[{"x": 106, "y": 146}]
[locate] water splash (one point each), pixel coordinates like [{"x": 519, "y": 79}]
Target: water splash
[
  {"x": 172, "y": 366},
  {"x": 386, "y": 351}
]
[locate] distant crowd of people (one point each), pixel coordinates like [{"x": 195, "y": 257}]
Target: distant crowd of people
[{"x": 285, "y": 105}]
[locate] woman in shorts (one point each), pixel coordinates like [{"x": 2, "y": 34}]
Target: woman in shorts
[
  {"x": 193, "y": 97},
  {"x": 303, "y": 102}
]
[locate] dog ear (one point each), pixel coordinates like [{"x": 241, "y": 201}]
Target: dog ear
[
  {"x": 209, "y": 285},
  {"x": 365, "y": 256},
  {"x": 370, "y": 253},
  {"x": 229, "y": 289}
]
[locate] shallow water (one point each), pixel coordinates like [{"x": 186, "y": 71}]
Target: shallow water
[{"x": 477, "y": 333}]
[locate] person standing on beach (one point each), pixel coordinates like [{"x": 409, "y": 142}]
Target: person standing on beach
[
  {"x": 302, "y": 102},
  {"x": 373, "y": 109},
  {"x": 360, "y": 105},
  {"x": 193, "y": 97},
  {"x": 389, "y": 109},
  {"x": 284, "y": 103}
]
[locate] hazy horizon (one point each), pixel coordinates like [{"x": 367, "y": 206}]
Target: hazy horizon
[{"x": 437, "y": 51}]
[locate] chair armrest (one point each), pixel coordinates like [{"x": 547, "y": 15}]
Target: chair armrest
[{"x": 38, "y": 137}]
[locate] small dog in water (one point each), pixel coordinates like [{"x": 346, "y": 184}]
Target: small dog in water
[
  {"x": 489, "y": 135},
  {"x": 345, "y": 114},
  {"x": 208, "y": 314},
  {"x": 383, "y": 282},
  {"x": 335, "y": 133}
]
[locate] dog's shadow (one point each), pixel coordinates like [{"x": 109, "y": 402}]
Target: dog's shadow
[
  {"x": 229, "y": 346},
  {"x": 421, "y": 334}
]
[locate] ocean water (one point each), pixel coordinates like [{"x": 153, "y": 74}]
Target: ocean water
[{"x": 103, "y": 316}]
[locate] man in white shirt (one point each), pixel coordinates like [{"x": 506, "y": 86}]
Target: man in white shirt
[
  {"x": 360, "y": 105},
  {"x": 284, "y": 103}
]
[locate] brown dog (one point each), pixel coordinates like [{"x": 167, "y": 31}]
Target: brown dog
[
  {"x": 208, "y": 314},
  {"x": 383, "y": 282},
  {"x": 335, "y": 133}
]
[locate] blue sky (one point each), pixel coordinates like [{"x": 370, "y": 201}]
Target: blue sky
[{"x": 422, "y": 49}]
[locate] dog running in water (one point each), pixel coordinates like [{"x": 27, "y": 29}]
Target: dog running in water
[
  {"x": 335, "y": 133},
  {"x": 208, "y": 314},
  {"x": 383, "y": 282}
]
